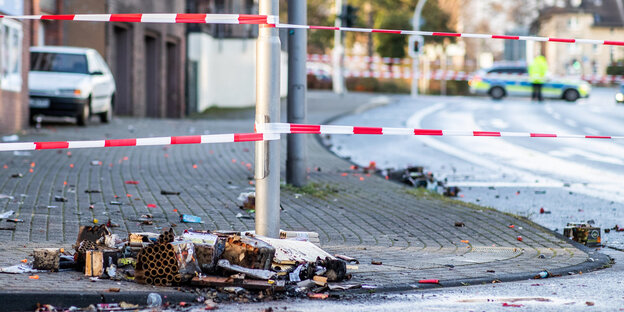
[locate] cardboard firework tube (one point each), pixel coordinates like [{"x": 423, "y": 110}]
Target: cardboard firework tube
[
  {"x": 170, "y": 278},
  {"x": 149, "y": 280},
  {"x": 161, "y": 271},
  {"x": 152, "y": 265},
  {"x": 177, "y": 278},
  {"x": 151, "y": 257},
  {"x": 167, "y": 270}
]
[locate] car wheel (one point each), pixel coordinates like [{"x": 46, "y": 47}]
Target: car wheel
[
  {"x": 497, "y": 93},
  {"x": 571, "y": 95},
  {"x": 107, "y": 116},
  {"x": 83, "y": 117}
]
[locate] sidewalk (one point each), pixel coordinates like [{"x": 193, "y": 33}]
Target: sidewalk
[{"x": 361, "y": 216}]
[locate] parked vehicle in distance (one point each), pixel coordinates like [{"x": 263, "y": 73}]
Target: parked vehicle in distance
[
  {"x": 70, "y": 81},
  {"x": 501, "y": 81},
  {"x": 619, "y": 97}
]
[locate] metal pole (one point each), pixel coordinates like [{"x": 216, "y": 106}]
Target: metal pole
[
  {"x": 338, "y": 55},
  {"x": 415, "y": 62},
  {"x": 267, "y": 162},
  {"x": 297, "y": 88}
]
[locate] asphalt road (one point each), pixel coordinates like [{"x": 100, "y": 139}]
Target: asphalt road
[{"x": 573, "y": 179}]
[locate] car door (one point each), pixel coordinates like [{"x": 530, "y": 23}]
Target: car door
[
  {"x": 109, "y": 80},
  {"x": 99, "y": 94}
]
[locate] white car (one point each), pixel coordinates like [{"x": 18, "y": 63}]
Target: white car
[{"x": 68, "y": 81}]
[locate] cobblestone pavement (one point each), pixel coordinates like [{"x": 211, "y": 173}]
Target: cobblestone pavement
[{"x": 368, "y": 217}]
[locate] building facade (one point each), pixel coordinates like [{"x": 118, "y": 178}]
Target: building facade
[
  {"x": 14, "y": 63},
  {"x": 222, "y": 58},
  {"x": 147, "y": 60},
  {"x": 587, "y": 19}
]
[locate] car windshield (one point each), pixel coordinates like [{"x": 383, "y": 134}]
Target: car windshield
[{"x": 58, "y": 62}]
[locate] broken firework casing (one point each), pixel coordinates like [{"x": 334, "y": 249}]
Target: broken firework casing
[
  {"x": 96, "y": 261},
  {"x": 208, "y": 249},
  {"x": 46, "y": 259},
  {"x": 583, "y": 233},
  {"x": 248, "y": 252}
]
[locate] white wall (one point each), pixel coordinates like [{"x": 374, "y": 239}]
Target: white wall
[{"x": 227, "y": 71}]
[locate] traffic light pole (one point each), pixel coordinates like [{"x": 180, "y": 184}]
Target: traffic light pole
[
  {"x": 267, "y": 158},
  {"x": 415, "y": 61},
  {"x": 338, "y": 53},
  {"x": 297, "y": 88}
]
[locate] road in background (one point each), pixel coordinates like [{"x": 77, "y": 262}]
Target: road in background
[{"x": 573, "y": 179}]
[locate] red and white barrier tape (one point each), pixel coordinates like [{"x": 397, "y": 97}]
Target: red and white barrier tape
[
  {"x": 455, "y": 75},
  {"x": 446, "y": 34},
  {"x": 274, "y": 21},
  {"x": 331, "y": 129},
  {"x": 191, "y": 139},
  {"x": 157, "y": 18}
]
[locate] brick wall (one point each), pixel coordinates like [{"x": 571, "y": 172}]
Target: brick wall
[{"x": 14, "y": 105}]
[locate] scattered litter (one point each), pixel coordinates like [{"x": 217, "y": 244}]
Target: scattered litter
[
  {"x": 10, "y": 138},
  {"x": 96, "y": 163},
  {"x": 247, "y": 200},
  {"x": 451, "y": 191},
  {"x": 460, "y": 224},
  {"x": 515, "y": 305},
  {"x": 151, "y": 205},
  {"x": 17, "y": 175},
  {"x": 543, "y": 211},
  {"x": 116, "y": 203},
  {"x": 59, "y": 198},
  {"x": 154, "y": 300},
  {"x": 241, "y": 216},
  {"x": 253, "y": 273},
  {"x": 163, "y": 192},
  {"x": 3, "y": 196},
  {"x": 20, "y": 269},
  {"x": 589, "y": 303},
  {"x": 347, "y": 259},
  {"x": 6, "y": 214},
  {"x": 373, "y": 262},
  {"x": 429, "y": 281},
  {"x": 318, "y": 296},
  {"x": 15, "y": 220},
  {"x": 519, "y": 238},
  {"x": 344, "y": 286},
  {"x": 583, "y": 233},
  {"x": 132, "y": 182},
  {"x": 543, "y": 274},
  {"x": 540, "y": 192},
  {"x": 369, "y": 286},
  {"x": 190, "y": 219},
  {"x": 93, "y": 191}
]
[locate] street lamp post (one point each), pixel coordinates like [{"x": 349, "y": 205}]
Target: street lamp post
[
  {"x": 338, "y": 55},
  {"x": 267, "y": 158}
]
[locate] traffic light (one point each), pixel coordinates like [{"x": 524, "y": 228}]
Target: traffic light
[
  {"x": 349, "y": 15},
  {"x": 415, "y": 45}
]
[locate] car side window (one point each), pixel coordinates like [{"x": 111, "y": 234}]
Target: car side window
[
  {"x": 94, "y": 65},
  {"x": 103, "y": 66}
]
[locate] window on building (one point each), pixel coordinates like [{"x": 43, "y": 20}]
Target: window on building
[
  {"x": 11, "y": 55},
  {"x": 573, "y": 23}
]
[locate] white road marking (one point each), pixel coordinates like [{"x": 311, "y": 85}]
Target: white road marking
[
  {"x": 591, "y": 131},
  {"x": 512, "y": 160},
  {"x": 499, "y": 123},
  {"x": 571, "y": 123}
]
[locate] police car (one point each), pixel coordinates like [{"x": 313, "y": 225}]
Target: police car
[
  {"x": 501, "y": 81},
  {"x": 619, "y": 97}
]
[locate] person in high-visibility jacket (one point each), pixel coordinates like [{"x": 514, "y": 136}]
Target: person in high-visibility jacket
[{"x": 537, "y": 76}]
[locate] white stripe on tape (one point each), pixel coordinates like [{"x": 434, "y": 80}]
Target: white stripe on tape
[
  {"x": 86, "y": 144},
  {"x": 217, "y": 138}
]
